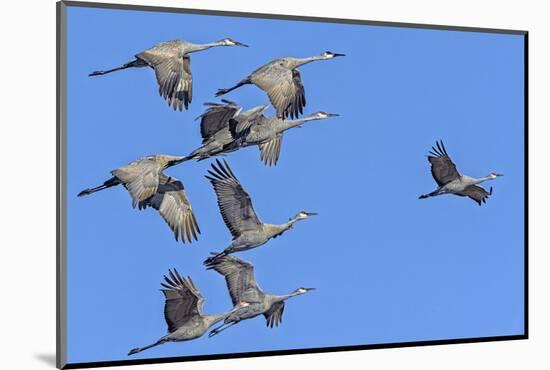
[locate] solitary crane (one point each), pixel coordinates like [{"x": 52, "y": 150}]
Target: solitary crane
[
  {"x": 282, "y": 82},
  {"x": 239, "y": 216},
  {"x": 150, "y": 187},
  {"x": 267, "y": 134},
  {"x": 451, "y": 182},
  {"x": 242, "y": 286},
  {"x": 183, "y": 311},
  {"x": 215, "y": 126},
  {"x": 172, "y": 64}
]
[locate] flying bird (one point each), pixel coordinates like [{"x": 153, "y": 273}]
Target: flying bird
[
  {"x": 183, "y": 311},
  {"x": 449, "y": 181},
  {"x": 267, "y": 134},
  {"x": 172, "y": 64},
  {"x": 242, "y": 286},
  {"x": 282, "y": 82},
  {"x": 239, "y": 216},
  {"x": 215, "y": 126},
  {"x": 150, "y": 187}
]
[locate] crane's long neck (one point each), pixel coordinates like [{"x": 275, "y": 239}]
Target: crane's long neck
[
  {"x": 480, "y": 180},
  {"x": 282, "y": 298},
  {"x": 284, "y": 125},
  {"x": 192, "y": 48},
  {"x": 174, "y": 161},
  {"x": 214, "y": 319},
  {"x": 276, "y": 230},
  {"x": 297, "y": 62}
]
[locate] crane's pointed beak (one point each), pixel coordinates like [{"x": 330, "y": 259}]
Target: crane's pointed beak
[
  {"x": 499, "y": 174},
  {"x": 308, "y": 289},
  {"x": 240, "y": 44},
  {"x": 333, "y": 115},
  {"x": 311, "y": 213}
]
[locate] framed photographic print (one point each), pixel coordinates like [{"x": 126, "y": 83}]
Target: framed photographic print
[{"x": 235, "y": 184}]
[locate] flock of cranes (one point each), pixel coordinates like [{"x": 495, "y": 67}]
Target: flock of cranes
[{"x": 225, "y": 127}]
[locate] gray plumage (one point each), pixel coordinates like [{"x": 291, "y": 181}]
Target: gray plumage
[
  {"x": 267, "y": 134},
  {"x": 183, "y": 311},
  {"x": 242, "y": 287},
  {"x": 281, "y": 81},
  {"x": 215, "y": 123},
  {"x": 150, "y": 187},
  {"x": 238, "y": 213},
  {"x": 450, "y": 181},
  {"x": 172, "y": 64}
]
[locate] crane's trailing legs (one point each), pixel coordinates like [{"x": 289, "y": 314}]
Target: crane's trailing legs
[
  {"x": 139, "y": 349},
  {"x": 221, "y": 328},
  {"x": 239, "y": 84},
  {"x": 134, "y": 63},
  {"x": 113, "y": 181}
]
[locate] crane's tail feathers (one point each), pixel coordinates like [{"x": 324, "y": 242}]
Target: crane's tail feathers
[
  {"x": 210, "y": 261},
  {"x": 113, "y": 181},
  {"x": 134, "y": 63}
]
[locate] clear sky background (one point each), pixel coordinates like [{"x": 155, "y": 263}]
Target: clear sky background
[{"x": 387, "y": 266}]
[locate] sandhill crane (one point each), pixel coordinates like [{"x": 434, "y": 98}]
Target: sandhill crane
[
  {"x": 282, "y": 82},
  {"x": 450, "y": 181},
  {"x": 172, "y": 64},
  {"x": 239, "y": 216},
  {"x": 150, "y": 187},
  {"x": 242, "y": 286},
  {"x": 183, "y": 311},
  {"x": 267, "y": 134},
  {"x": 215, "y": 126}
]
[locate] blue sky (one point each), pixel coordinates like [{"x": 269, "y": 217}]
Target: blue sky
[{"x": 387, "y": 266}]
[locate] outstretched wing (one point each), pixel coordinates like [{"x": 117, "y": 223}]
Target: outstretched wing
[
  {"x": 174, "y": 207},
  {"x": 234, "y": 202},
  {"x": 173, "y": 72},
  {"x": 140, "y": 178},
  {"x": 216, "y": 117},
  {"x": 183, "y": 300},
  {"x": 477, "y": 193},
  {"x": 274, "y": 316},
  {"x": 239, "y": 277},
  {"x": 443, "y": 169},
  {"x": 270, "y": 150},
  {"x": 283, "y": 87}
]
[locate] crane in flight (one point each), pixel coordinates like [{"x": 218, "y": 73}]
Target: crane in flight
[
  {"x": 242, "y": 286},
  {"x": 449, "y": 181},
  {"x": 171, "y": 61},
  {"x": 150, "y": 187},
  {"x": 183, "y": 311},
  {"x": 239, "y": 216},
  {"x": 280, "y": 79}
]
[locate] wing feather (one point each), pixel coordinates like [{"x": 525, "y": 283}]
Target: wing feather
[
  {"x": 173, "y": 72},
  {"x": 239, "y": 277},
  {"x": 476, "y": 193},
  {"x": 443, "y": 168},
  {"x": 270, "y": 150},
  {"x": 283, "y": 87},
  {"x": 174, "y": 207},
  {"x": 183, "y": 300},
  {"x": 234, "y": 202},
  {"x": 274, "y": 316}
]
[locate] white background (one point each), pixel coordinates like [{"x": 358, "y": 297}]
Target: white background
[{"x": 27, "y": 174}]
